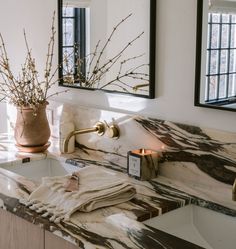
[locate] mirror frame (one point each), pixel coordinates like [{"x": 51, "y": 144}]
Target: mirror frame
[
  {"x": 199, "y": 61},
  {"x": 152, "y": 54}
]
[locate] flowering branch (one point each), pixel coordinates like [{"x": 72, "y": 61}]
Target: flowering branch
[
  {"x": 26, "y": 89},
  {"x": 96, "y": 72}
]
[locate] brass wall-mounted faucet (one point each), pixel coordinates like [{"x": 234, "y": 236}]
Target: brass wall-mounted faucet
[
  {"x": 99, "y": 128},
  {"x": 234, "y": 191}
]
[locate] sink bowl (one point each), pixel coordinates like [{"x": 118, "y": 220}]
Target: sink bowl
[
  {"x": 35, "y": 170},
  {"x": 201, "y": 226}
]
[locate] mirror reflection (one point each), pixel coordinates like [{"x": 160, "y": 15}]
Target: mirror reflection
[
  {"x": 107, "y": 45},
  {"x": 216, "y": 54}
]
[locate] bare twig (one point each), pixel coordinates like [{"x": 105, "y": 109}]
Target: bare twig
[
  {"x": 95, "y": 72},
  {"x": 96, "y": 67},
  {"x": 26, "y": 89},
  {"x": 50, "y": 55}
]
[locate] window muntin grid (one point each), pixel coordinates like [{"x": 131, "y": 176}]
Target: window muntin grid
[
  {"x": 73, "y": 42},
  {"x": 221, "y": 57}
]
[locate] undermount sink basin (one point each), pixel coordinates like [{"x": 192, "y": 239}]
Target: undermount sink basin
[
  {"x": 35, "y": 170},
  {"x": 201, "y": 226}
]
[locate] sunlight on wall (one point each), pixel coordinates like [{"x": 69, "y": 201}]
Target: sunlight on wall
[
  {"x": 127, "y": 103},
  {"x": 3, "y": 120},
  {"x": 11, "y": 118}
]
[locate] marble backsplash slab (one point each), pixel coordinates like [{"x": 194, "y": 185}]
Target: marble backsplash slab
[
  {"x": 195, "y": 155},
  {"x": 191, "y": 147}
]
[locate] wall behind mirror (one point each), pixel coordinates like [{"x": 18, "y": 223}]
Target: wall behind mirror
[
  {"x": 216, "y": 55},
  {"x": 108, "y": 45}
]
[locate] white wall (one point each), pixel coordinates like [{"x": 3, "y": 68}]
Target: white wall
[
  {"x": 176, "y": 22},
  {"x": 137, "y": 23}
]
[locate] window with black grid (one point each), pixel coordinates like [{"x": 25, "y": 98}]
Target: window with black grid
[
  {"x": 74, "y": 42},
  {"x": 221, "y": 58}
]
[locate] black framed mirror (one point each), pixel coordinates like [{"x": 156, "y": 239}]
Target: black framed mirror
[
  {"x": 108, "y": 45},
  {"x": 215, "y": 80}
]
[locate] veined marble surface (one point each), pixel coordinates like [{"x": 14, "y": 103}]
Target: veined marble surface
[
  {"x": 201, "y": 161},
  {"x": 198, "y": 166},
  {"x": 218, "y": 195},
  {"x": 112, "y": 227}
]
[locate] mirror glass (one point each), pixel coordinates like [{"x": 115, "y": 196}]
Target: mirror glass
[
  {"x": 108, "y": 45},
  {"x": 216, "y": 54}
]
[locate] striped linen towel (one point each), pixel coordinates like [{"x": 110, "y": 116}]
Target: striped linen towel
[{"x": 98, "y": 188}]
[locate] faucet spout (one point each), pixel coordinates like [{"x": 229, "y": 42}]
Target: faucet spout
[
  {"x": 99, "y": 128},
  {"x": 234, "y": 191}
]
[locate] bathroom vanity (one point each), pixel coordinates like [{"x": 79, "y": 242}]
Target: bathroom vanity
[
  {"x": 121, "y": 226},
  {"x": 120, "y": 219},
  {"x": 197, "y": 168}
]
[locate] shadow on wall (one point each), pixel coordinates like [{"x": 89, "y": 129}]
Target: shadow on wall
[{"x": 3, "y": 117}]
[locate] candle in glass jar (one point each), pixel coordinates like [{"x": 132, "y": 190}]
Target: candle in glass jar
[{"x": 143, "y": 164}]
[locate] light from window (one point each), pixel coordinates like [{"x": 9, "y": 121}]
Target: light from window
[{"x": 221, "y": 58}]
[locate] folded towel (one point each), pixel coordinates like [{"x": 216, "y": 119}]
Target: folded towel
[{"x": 98, "y": 188}]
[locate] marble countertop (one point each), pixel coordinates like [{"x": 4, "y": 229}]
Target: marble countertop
[{"x": 112, "y": 227}]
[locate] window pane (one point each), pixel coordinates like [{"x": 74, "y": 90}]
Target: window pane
[
  {"x": 215, "y": 18},
  {"x": 207, "y": 88},
  {"x": 214, "y": 62},
  {"x": 225, "y": 36},
  {"x": 221, "y": 57},
  {"x": 233, "y": 18},
  {"x": 215, "y": 36},
  {"x": 232, "y": 65},
  {"x": 225, "y": 18},
  {"x": 233, "y": 36},
  {"x": 207, "y": 63},
  {"x": 212, "y": 87},
  {"x": 208, "y": 36},
  {"x": 68, "y": 61},
  {"x": 232, "y": 82},
  {"x": 68, "y": 32},
  {"x": 223, "y": 61},
  {"x": 222, "y": 86},
  {"x": 68, "y": 11}
]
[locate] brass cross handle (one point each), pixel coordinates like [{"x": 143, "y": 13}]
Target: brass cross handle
[{"x": 113, "y": 131}]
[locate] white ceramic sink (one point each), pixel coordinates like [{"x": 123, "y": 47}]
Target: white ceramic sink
[
  {"x": 201, "y": 226},
  {"x": 35, "y": 170}
]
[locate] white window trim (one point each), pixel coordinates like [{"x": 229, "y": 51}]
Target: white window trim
[
  {"x": 223, "y": 6},
  {"x": 77, "y": 3}
]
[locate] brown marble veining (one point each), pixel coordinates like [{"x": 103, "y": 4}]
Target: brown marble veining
[
  {"x": 198, "y": 166},
  {"x": 111, "y": 227}
]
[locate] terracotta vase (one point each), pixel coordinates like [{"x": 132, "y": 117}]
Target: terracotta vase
[{"x": 32, "y": 128}]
